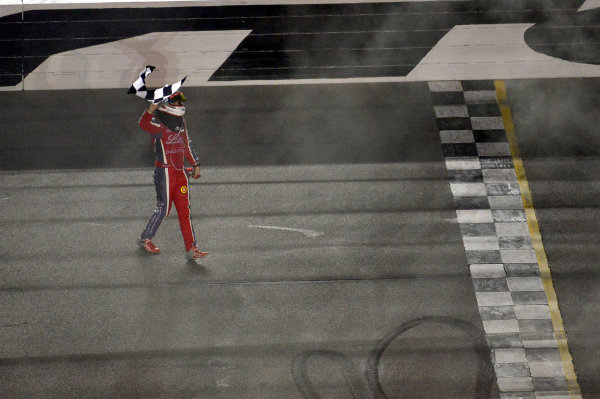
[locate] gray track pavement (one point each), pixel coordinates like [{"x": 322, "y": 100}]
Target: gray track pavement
[
  {"x": 557, "y": 128},
  {"x": 270, "y": 313},
  {"x": 275, "y": 312}
]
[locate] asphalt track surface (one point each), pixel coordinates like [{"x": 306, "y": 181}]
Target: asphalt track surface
[
  {"x": 558, "y": 138},
  {"x": 270, "y": 313},
  {"x": 336, "y": 269},
  {"x": 328, "y": 280}
]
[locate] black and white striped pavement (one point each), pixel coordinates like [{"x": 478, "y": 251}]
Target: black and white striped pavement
[{"x": 511, "y": 296}]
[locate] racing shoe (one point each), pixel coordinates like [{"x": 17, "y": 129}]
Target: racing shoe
[
  {"x": 149, "y": 246},
  {"x": 195, "y": 253}
]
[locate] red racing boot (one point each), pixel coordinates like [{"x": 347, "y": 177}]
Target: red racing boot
[
  {"x": 194, "y": 253},
  {"x": 149, "y": 246}
]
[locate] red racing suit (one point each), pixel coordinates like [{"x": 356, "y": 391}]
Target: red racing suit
[{"x": 170, "y": 179}]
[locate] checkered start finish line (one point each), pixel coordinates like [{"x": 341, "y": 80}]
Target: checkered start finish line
[
  {"x": 157, "y": 95},
  {"x": 526, "y": 352}
]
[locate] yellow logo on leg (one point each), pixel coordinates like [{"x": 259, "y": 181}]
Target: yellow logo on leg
[{"x": 184, "y": 189}]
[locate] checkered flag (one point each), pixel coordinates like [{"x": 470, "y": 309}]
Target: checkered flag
[{"x": 156, "y": 95}]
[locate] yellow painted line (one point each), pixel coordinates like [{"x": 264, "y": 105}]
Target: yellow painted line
[{"x": 536, "y": 238}]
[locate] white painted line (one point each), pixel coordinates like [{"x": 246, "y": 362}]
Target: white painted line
[
  {"x": 445, "y": 86},
  {"x": 518, "y": 256},
  {"x": 468, "y": 189},
  {"x": 494, "y": 299},
  {"x": 16, "y": 6},
  {"x": 308, "y": 233},
  {"x": 510, "y": 355},
  {"x": 532, "y": 312},
  {"x": 196, "y": 55},
  {"x": 9, "y": 8},
  {"x": 506, "y": 202},
  {"x": 487, "y": 270},
  {"x": 516, "y": 384},
  {"x": 589, "y": 5},
  {"x": 474, "y": 216},
  {"x": 491, "y": 176},
  {"x": 481, "y": 243},
  {"x": 203, "y": 2},
  {"x": 463, "y": 163},
  {"x": 501, "y": 326},
  {"x": 512, "y": 229},
  {"x": 494, "y": 51},
  {"x": 548, "y": 370},
  {"x": 519, "y": 284}
]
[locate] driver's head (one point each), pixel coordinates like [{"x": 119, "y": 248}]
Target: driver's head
[
  {"x": 176, "y": 99},
  {"x": 174, "y": 104},
  {"x": 171, "y": 111}
]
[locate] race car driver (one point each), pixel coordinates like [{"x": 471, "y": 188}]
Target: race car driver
[{"x": 171, "y": 145}]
